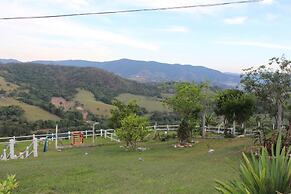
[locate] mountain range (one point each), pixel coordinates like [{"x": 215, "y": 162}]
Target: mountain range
[{"x": 151, "y": 71}]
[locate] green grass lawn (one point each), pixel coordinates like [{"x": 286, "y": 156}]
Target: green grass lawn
[
  {"x": 107, "y": 168},
  {"x": 149, "y": 103}
]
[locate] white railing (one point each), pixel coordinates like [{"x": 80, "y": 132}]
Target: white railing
[
  {"x": 164, "y": 127},
  {"x": 10, "y": 148},
  {"x": 107, "y": 133}
]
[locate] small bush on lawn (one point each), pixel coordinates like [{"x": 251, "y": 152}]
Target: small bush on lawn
[
  {"x": 263, "y": 175},
  {"x": 8, "y": 185}
]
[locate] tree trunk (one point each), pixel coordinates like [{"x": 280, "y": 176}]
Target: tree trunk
[
  {"x": 203, "y": 124},
  {"x": 234, "y": 128},
  {"x": 279, "y": 115}
]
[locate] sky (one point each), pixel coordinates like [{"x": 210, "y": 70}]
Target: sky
[{"x": 228, "y": 38}]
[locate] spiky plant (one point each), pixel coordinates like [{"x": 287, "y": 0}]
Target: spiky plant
[
  {"x": 263, "y": 175},
  {"x": 8, "y": 185}
]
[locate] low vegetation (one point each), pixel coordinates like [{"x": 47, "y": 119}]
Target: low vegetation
[
  {"x": 151, "y": 104},
  {"x": 8, "y": 185},
  {"x": 7, "y": 87},
  {"x": 87, "y": 99},
  {"x": 262, "y": 175},
  {"x": 31, "y": 112}
]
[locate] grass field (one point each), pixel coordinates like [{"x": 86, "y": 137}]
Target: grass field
[
  {"x": 32, "y": 113},
  {"x": 151, "y": 104},
  {"x": 88, "y": 100},
  {"x": 7, "y": 86},
  {"x": 110, "y": 169}
]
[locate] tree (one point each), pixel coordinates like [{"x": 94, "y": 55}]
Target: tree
[
  {"x": 121, "y": 111},
  {"x": 187, "y": 103},
  {"x": 235, "y": 105},
  {"x": 133, "y": 129},
  {"x": 271, "y": 84}
]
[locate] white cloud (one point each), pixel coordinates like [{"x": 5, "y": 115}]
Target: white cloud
[
  {"x": 268, "y": 2},
  {"x": 61, "y": 37},
  {"x": 256, "y": 44},
  {"x": 180, "y": 29},
  {"x": 235, "y": 21}
]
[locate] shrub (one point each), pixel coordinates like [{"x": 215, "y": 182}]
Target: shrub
[
  {"x": 8, "y": 185},
  {"x": 263, "y": 175},
  {"x": 133, "y": 129}
]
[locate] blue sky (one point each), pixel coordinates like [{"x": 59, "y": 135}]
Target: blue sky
[{"x": 226, "y": 38}]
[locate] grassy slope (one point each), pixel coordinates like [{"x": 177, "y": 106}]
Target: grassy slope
[
  {"x": 151, "y": 104},
  {"x": 32, "y": 113},
  {"x": 7, "y": 86},
  {"x": 109, "y": 169},
  {"x": 87, "y": 99}
]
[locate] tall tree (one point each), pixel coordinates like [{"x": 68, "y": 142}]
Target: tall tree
[
  {"x": 271, "y": 83},
  {"x": 187, "y": 103},
  {"x": 235, "y": 105},
  {"x": 121, "y": 111}
]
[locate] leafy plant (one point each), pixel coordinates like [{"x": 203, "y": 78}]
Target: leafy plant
[
  {"x": 263, "y": 175},
  {"x": 187, "y": 102},
  {"x": 133, "y": 129},
  {"x": 121, "y": 111},
  {"x": 8, "y": 185}
]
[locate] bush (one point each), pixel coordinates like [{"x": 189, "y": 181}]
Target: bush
[
  {"x": 133, "y": 129},
  {"x": 263, "y": 175},
  {"x": 8, "y": 185}
]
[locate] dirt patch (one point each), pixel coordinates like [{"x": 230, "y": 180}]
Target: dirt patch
[{"x": 61, "y": 102}]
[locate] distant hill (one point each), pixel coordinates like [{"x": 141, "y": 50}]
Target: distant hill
[
  {"x": 4, "y": 61},
  {"x": 46, "y": 81},
  {"x": 151, "y": 71}
]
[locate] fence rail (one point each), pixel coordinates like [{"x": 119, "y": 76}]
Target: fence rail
[{"x": 107, "y": 133}]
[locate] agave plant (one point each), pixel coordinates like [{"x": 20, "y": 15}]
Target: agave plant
[{"x": 263, "y": 175}]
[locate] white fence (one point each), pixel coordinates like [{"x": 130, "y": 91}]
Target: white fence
[
  {"x": 106, "y": 133},
  {"x": 163, "y": 127},
  {"x": 8, "y": 152}
]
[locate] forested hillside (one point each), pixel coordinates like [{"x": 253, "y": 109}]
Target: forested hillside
[{"x": 46, "y": 81}]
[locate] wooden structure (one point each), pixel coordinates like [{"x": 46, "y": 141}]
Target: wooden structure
[{"x": 77, "y": 138}]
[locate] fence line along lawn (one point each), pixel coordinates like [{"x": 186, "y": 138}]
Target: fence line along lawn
[{"x": 109, "y": 169}]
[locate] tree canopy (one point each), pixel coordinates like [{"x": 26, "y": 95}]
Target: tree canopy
[
  {"x": 271, "y": 84},
  {"x": 187, "y": 102},
  {"x": 235, "y": 105}
]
